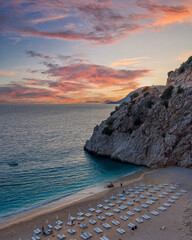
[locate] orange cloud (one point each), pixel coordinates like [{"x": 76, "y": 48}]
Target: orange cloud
[
  {"x": 40, "y": 20},
  {"x": 7, "y": 73},
  {"x": 128, "y": 61}
]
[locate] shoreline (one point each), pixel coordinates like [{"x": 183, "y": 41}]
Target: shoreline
[
  {"x": 22, "y": 228},
  {"x": 60, "y": 202}
]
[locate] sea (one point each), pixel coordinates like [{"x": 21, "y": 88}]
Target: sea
[{"x": 46, "y": 141}]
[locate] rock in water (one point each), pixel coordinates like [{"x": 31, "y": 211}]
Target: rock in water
[{"x": 154, "y": 128}]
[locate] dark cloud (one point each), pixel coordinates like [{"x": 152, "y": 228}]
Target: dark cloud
[{"x": 36, "y": 54}]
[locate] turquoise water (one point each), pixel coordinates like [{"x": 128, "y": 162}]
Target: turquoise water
[{"x": 47, "y": 143}]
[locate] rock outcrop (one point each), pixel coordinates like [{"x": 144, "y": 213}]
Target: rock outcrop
[{"x": 154, "y": 128}]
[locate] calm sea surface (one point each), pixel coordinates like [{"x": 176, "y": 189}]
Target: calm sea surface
[{"x": 47, "y": 143}]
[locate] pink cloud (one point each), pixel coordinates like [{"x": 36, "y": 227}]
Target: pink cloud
[{"x": 7, "y": 73}]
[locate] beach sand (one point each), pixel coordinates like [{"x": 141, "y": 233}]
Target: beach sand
[{"x": 174, "y": 223}]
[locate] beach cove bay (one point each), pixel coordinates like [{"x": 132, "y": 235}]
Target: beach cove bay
[{"x": 46, "y": 141}]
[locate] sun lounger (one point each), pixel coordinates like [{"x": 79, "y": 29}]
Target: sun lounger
[
  {"x": 131, "y": 196},
  {"x": 174, "y": 197},
  {"x": 183, "y": 191},
  {"x": 106, "y": 225},
  {"x": 145, "y": 188},
  {"x": 166, "y": 204},
  {"x": 71, "y": 218},
  {"x": 162, "y": 208},
  {"x": 33, "y": 238},
  {"x": 170, "y": 201},
  {"x": 165, "y": 184},
  {"x": 98, "y": 211},
  {"x": 136, "y": 200},
  {"x": 142, "y": 185},
  {"x": 145, "y": 216},
  {"x": 130, "y": 203},
  {"x": 130, "y": 190},
  {"x": 88, "y": 214},
  {"x": 91, "y": 209},
  {"x": 111, "y": 204},
  {"x": 152, "y": 191},
  {"x": 109, "y": 214},
  {"x": 37, "y": 231},
  {"x": 92, "y": 221},
  {"x": 136, "y": 209},
  {"x": 115, "y": 222},
  {"x": 99, "y": 205},
  {"x": 140, "y": 190},
  {"x": 132, "y": 226},
  {"x": 101, "y": 218},
  {"x": 130, "y": 213},
  {"x": 142, "y": 196},
  {"x": 154, "y": 198},
  {"x": 120, "y": 230},
  {"x": 108, "y": 201},
  {"x": 61, "y": 236},
  {"x": 178, "y": 194},
  {"x": 80, "y": 218},
  {"x": 88, "y": 234},
  {"x": 173, "y": 188},
  {"x": 113, "y": 198},
  {"x": 98, "y": 230},
  {"x": 118, "y": 202},
  {"x": 161, "y": 196},
  {"x": 49, "y": 226},
  {"x": 80, "y": 214},
  {"x": 155, "y": 213},
  {"x": 83, "y": 225},
  {"x": 169, "y": 191},
  {"x": 71, "y": 231},
  {"x": 157, "y": 189},
  {"x": 144, "y": 205},
  {"x": 123, "y": 217},
  {"x": 161, "y": 187},
  {"x": 123, "y": 207},
  {"x": 136, "y": 187},
  {"x": 106, "y": 207},
  {"x": 137, "y": 193},
  {"x": 104, "y": 238},
  {"x": 123, "y": 198},
  {"x": 126, "y": 193},
  {"x": 120, "y": 195},
  {"x": 70, "y": 223},
  {"x": 116, "y": 210},
  {"x": 37, "y": 238},
  {"x": 139, "y": 220},
  {"x": 150, "y": 185},
  {"x": 150, "y": 202},
  {"x": 57, "y": 227},
  {"x": 165, "y": 193}
]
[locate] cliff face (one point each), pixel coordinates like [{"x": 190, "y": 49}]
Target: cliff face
[{"x": 153, "y": 129}]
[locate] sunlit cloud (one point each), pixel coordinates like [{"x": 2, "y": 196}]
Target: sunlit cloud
[
  {"x": 128, "y": 61},
  {"x": 48, "y": 19},
  {"x": 7, "y": 73}
]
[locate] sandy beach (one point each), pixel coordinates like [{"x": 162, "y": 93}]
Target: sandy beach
[{"x": 172, "y": 223}]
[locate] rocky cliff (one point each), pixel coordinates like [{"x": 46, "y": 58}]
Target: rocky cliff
[{"x": 154, "y": 128}]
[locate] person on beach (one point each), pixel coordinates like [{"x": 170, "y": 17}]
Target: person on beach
[
  {"x": 43, "y": 231},
  {"x": 121, "y": 184}
]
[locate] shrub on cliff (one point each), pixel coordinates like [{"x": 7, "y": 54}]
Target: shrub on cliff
[
  {"x": 107, "y": 131},
  {"x": 149, "y": 103},
  {"x": 180, "y": 90},
  {"x": 134, "y": 95},
  {"x": 167, "y": 93}
]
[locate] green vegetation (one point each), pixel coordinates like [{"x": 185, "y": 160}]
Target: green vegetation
[
  {"x": 167, "y": 93},
  {"x": 137, "y": 121},
  {"x": 185, "y": 65},
  {"x": 110, "y": 122},
  {"x": 112, "y": 113},
  {"x": 149, "y": 103},
  {"x": 134, "y": 95},
  {"x": 165, "y": 103},
  {"x": 169, "y": 73},
  {"x": 107, "y": 131},
  {"x": 180, "y": 90}
]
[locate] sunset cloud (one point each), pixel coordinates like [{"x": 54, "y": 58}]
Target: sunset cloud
[
  {"x": 7, "y": 73},
  {"x": 128, "y": 61}
]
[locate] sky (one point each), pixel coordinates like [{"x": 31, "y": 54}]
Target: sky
[{"x": 77, "y": 51}]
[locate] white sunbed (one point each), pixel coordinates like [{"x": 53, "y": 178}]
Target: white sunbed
[
  {"x": 98, "y": 230},
  {"x": 71, "y": 218},
  {"x": 91, "y": 209},
  {"x": 131, "y": 225},
  {"x": 173, "y": 188},
  {"x": 131, "y": 196},
  {"x": 123, "y": 217},
  {"x": 83, "y": 225},
  {"x": 140, "y": 190},
  {"x": 150, "y": 185},
  {"x": 88, "y": 214},
  {"x": 178, "y": 194},
  {"x": 150, "y": 202},
  {"x": 130, "y": 190},
  {"x": 104, "y": 238},
  {"x": 59, "y": 222},
  {"x": 169, "y": 191},
  {"x": 183, "y": 191},
  {"x": 116, "y": 210},
  {"x": 113, "y": 198},
  {"x": 111, "y": 204},
  {"x": 80, "y": 218},
  {"x": 162, "y": 208},
  {"x": 165, "y": 184},
  {"x": 109, "y": 214},
  {"x": 119, "y": 202},
  {"x": 137, "y": 193},
  {"x": 145, "y": 216},
  {"x": 70, "y": 223},
  {"x": 130, "y": 213},
  {"x": 144, "y": 205},
  {"x": 139, "y": 220},
  {"x": 106, "y": 225},
  {"x": 130, "y": 203},
  {"x": 136, "y": 200},
  {"x": 107, "y": 201},
  {"x": 152, "y": 191},
  {"x": 57, "y": 227},
  {"x": 115, "y": 222},
  {"x": 145, "y": 188},
  {"x": 174, "y": 197},
  {"x": 120, "y": 230},
  {"x": 161, "y": 195},
  {"x": 101, "y": 218},
  {"x": 157, "y": 189},
  {"x": 161, "y": 187},
  {"x": 80, "y": 214},
  {"x": 123, "y": 198},
  {"x": 88, "y": 234},
  {"x": 98, "y": 211},
  {"x": 92, "y": 221},
  {"x": 106, "y": 207},
  {"x": 165, "y": 193},
  {"x": 154, "y": 198},
  {"x": 49, "y": 226},
  {"x": 170, "y": 201},
  {"x": 99, "y": 205},
  {"x": 123, "y": 207},
  {"x": 136, "y": 209},
  {"x": 61, "y": 236},
  {"x": 136, "y": 187},
  {"x": 126, "y": 193},
  {"x": 120, "y": 195},
  {"x": 142, "y": 185},
  {"x": 37, "y": 231},
  {"x": 142, "y": 196},
  {"x": 155, "y": 213},
  {"x": 71, "y": 231},
  {"x": 166, "y": 204}
]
